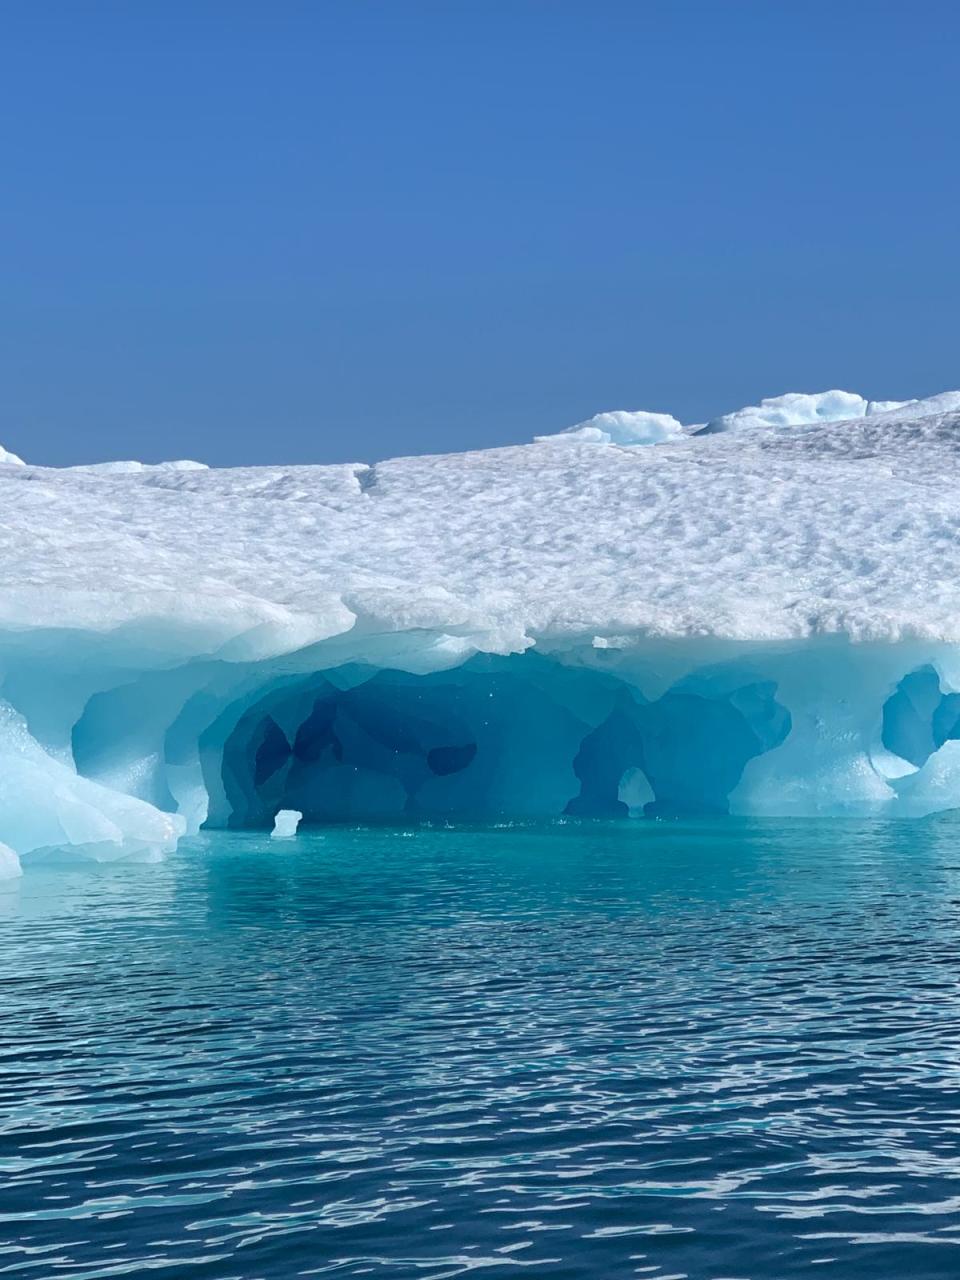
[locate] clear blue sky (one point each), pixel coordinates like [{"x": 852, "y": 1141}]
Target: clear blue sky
[{"x": 277, "y": 231}]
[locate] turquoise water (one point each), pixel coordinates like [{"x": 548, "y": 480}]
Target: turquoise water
[{"x": 728, "y": 1051}]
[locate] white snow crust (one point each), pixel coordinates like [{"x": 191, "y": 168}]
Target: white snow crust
[
  {"x": 786, "y": 571},
  {"x": 121, "y": 468}
]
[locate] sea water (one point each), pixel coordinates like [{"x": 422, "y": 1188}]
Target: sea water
[{"x": 728, "y": 1051}]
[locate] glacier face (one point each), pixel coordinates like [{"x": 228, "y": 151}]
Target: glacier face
[{"x": 760, "y": 619}]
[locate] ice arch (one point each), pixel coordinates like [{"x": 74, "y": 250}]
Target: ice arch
[
  {"x": 920, "y": 717},
  {"x": 481, "y": 741},
  {"x": 518, "y": 738},
  {"x": 124, "y": 760},
  {"x": 691, "y": 749}
]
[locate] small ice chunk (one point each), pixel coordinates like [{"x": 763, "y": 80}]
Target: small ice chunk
[
  {"x": 285, "y": 824},
  {"x": 9, "y": 863}
]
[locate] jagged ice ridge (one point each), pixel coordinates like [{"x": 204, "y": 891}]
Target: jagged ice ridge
[{"x": 758, "y": 615}]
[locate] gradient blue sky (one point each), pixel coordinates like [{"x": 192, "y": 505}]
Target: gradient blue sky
[{"x": 279, "y": 231}]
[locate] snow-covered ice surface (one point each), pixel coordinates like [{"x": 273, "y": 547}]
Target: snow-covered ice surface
[{"x": 764, "y": 618}]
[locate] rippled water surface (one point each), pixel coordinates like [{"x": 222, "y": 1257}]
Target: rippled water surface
[{"x": 721, "y": 1051}]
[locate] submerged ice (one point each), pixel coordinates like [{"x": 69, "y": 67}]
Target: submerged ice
[{"x": 759, "y": 616}]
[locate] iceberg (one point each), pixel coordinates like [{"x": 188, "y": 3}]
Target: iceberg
[
  {"x": 794, "y": 409},
  {"x": 798, "y": 409},
  {"x": 760, "y": 619},
  {"x": 619, "y": 426}
]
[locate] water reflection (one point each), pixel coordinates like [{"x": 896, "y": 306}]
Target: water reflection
[{"x": 710, "y": 1050}]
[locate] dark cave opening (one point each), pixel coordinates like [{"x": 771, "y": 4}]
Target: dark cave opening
[
  {"x": 918, "y": 717},
  {"x": 494, "y": 739}
]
